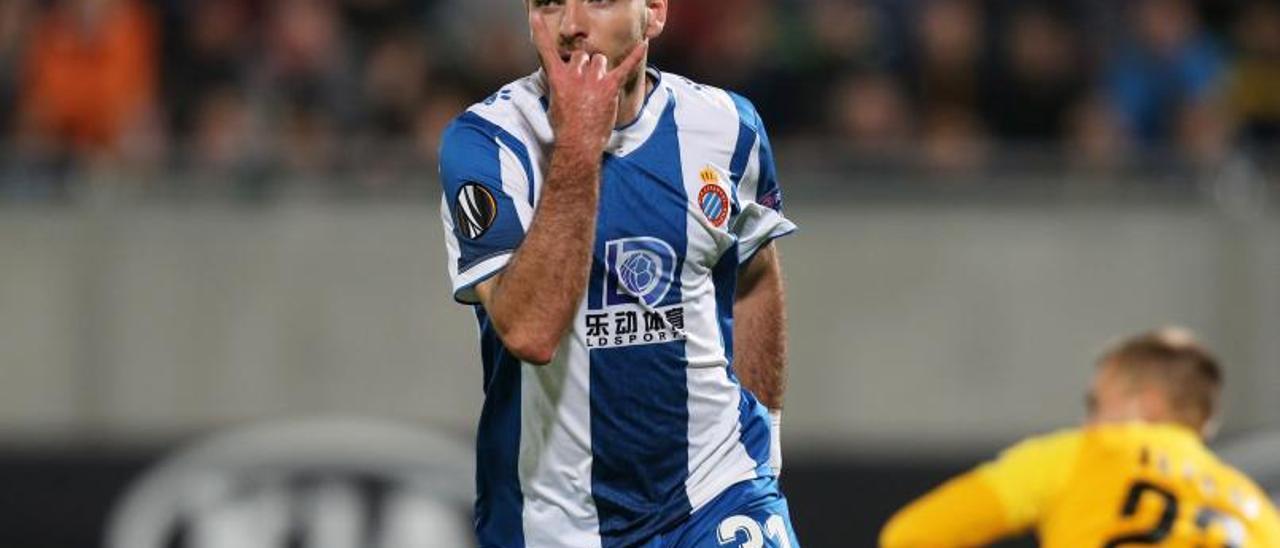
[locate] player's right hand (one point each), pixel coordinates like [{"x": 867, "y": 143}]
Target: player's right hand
[{"x": 583, "y": 91}]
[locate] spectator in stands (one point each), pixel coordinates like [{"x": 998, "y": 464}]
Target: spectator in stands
[
  {"x": 1040, "y": 76},
  {"x": 224, "y": 138},
  {"x": 832, "y": 38},
  {"x": 945, "y": 70},
  {"x": 1167, "y": 75},
  {"x": 1254, "y": 89},
  {"x": 1096, "y": 139},
  {"x": 308, "y": 85},
  {"x": 209, "y": 53},
  {"x": 395, "y": 79},
  {"x": 946, "y": 80},
  {"x": 869, "y": 113},
  {"x": 15, "y": 22},
  {"x": 89, "y": 76}
]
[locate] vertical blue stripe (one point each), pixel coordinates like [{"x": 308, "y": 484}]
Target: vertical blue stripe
[
  {"x": 768, "y": 182},
  {"x": 639, "y": 394},
  {"x": 749, "y": 121},
  {"x": 747, "y": 131},
  {"x": 499, "y": 501},
  {"x": 746, "y": 138}
]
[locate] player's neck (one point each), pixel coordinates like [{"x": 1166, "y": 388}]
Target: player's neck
[{"x": 631, "y": 100}]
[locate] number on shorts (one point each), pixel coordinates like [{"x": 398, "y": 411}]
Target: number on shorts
[{"x": 774, "y": 527}]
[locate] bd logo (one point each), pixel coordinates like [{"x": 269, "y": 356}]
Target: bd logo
[{"x": 639, "y": 269}]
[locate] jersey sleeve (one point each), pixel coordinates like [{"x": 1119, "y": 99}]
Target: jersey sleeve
[
  {"x": 487, "y": 200},
  {"x": 998, "y": 499},
  {"x": 758, "y": 195},
  {"x": 964, "y": 511},
  {"x": 1028, "y": 476}
]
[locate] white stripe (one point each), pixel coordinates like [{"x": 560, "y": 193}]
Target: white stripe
[
  {"x": 555, "y": 426},
  {"x": 515, "y": 182},
  {"x": 555, "y": 451},
  {"x": 717, "y": 457}
]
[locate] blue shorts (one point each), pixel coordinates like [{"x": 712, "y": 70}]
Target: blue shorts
[{"x": 750, "y": 514}]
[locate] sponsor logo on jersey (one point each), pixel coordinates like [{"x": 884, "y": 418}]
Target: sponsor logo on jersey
[
  {"x": 639, "y": 273},
  {"x": 631, "y": 325},
  {"x": 475, "y": 210},
  {"x": 638, "y": 269}
]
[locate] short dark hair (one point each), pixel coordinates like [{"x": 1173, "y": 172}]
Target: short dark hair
[{"x": 1172, "y": 359}]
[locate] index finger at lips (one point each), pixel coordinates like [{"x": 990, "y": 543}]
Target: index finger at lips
[
  {"x": 542, "y": 41},
  {"x": 631, "y": 62}
]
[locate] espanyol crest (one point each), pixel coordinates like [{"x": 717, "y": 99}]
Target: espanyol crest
[
  {"x": 713, "y": 200},
  {"x": 639, "y": 269}
]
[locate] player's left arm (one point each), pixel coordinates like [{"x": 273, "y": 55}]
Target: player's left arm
[
  {"x": 759, "y": 311},
  {"x": 760, "y": 328},
  {"x": 760, "y": 337}
]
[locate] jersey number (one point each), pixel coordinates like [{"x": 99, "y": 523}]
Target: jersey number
[
  {"x": 1162, "y": 528},
  {"x": 1205, "y": 518},
  {"x": 733, "y": 526}
]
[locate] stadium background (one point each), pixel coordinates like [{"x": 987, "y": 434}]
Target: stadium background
[{"x": 220, "y": 213}]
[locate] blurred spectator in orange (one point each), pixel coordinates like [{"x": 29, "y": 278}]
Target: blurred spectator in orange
[
  {"x": 1040, "y": 75},
  {"x": 1254, "y": 89},
  {"x": 89, "y": 75},
  {"x": 1168, "y": 75}
]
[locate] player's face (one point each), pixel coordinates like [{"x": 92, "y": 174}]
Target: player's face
[{"x": 610, "y": 27}]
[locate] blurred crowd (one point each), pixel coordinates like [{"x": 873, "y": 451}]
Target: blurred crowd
[{"x": 244, "y": 89}]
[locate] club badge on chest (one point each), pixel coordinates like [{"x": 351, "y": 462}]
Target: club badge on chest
[{"x": 713, "y": 200}]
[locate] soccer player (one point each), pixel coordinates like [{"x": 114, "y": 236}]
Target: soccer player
[
  {"x": 1138, "y": 474},
  {"x": 611, "y": 225}
]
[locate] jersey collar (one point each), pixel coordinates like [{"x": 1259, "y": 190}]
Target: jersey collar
[{"x": 626, "y": 138}]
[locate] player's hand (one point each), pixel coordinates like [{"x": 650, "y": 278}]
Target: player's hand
[{"x": 583, "y": 91}]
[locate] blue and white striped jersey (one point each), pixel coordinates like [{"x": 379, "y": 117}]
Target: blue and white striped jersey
[{"x": 639, "y": 419}]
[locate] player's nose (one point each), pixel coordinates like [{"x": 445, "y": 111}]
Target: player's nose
[{"x": 573, "y": 23}]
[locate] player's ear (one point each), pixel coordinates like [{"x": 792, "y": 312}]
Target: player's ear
[
  {"x": 657, "y": 19},
  {"x": 1209, "y": 429}
]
